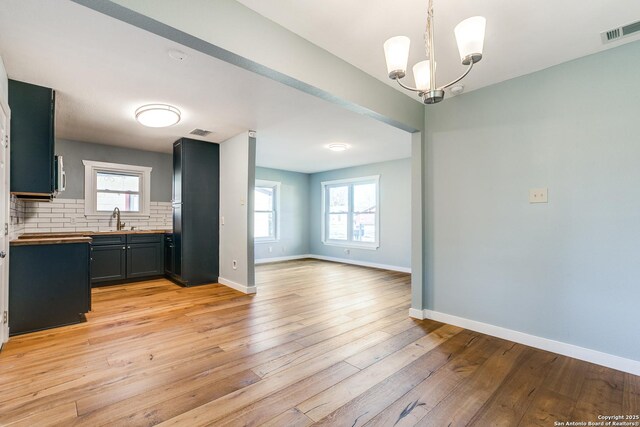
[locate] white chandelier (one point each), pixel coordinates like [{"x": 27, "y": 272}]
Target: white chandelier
[{"x": 470, "y": 37}]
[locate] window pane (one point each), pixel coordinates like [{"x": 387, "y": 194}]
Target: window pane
[
  {"x": 364, "y": 197},
  {"x": 118, "y": 182},
  {"x": 124, "y": 201},
  {"x": 263, "y": 225},
  {"x": 338, "y": 227},
  {"x": 338, "y": 199},
  {"x": 263, "y": 199},
  {"x": 364, "y": 227}
]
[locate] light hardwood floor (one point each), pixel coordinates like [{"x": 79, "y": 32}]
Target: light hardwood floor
[{"x": 321, "y": 343}]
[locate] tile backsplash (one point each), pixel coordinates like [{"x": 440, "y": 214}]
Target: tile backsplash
[
  {"x": 16, "y": 217},
  {"x": 68, "y": 215}
]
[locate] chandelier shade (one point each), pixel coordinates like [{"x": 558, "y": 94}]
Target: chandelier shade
[
  {"x": 470, "y": 38},
  {"x": 421, "y": 75},
  {"x": 396, "y": 52}
]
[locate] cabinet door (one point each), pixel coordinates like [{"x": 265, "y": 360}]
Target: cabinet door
[
  {"x": 177, "y": 172},
  {"x": 108, "y": 263},
  {"x": 169, "y": 257},
  {"x": 32, "y": 143},
  {"x": 144, "y": 260}
]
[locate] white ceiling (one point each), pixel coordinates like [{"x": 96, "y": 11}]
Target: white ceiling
[
  {"x": 103, "y": 69},
  {"x": 522, "y": 36}
]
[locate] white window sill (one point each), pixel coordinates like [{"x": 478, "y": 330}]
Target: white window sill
[{"x": 353, "y": 245}]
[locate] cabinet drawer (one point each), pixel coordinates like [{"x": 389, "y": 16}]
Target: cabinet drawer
[
  {"x": 108, "y": 239},
  {"x": 144, "y": 238}
]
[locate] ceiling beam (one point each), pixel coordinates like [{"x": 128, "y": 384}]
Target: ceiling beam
[{"x": 229, "y": 31}]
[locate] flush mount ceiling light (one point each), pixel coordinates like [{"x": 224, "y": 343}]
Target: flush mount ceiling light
[
  {"x": 157, "y": 115},
  {"x": 470, "y": 37},
  {"x": 338, "y": 146}
]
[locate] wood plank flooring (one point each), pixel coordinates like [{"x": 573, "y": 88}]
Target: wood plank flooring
[{"x": 321, "y": 343}]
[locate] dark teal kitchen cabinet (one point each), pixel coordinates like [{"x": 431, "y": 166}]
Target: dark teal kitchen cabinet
[
  {"x": 48, "y": 286},
  {"x": 32, "y": 140},
  {"x": 108, "y": 263},
  {"x": 117, "y": 258},
  {"x": 144, "y": 255},
  {"x": 195, "y": 246},
  {"x": 169, "y": 255}
]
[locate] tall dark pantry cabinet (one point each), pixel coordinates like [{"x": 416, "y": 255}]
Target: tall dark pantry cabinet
[{"x": 196, "y": 206}]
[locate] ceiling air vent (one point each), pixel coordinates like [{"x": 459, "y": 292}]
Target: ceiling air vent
[
  {"x": 200, "y": 132},
  {"x": 620, "y": 32}
]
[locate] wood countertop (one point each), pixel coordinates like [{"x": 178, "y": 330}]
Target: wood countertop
[
  {"x": 50, "y": 240},
  {"x": 55, "y": 238},
  {"x": 89, "y": 233}
]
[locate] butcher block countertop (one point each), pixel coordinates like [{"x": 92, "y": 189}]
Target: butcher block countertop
[
  {"x": 50, "y": 240},
  {"x": 56, "y": 238}
]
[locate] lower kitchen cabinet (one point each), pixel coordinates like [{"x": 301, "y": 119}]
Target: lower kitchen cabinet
[
  {"x": 144, "y": 260},
  {"x": 108, "y": 263},
  {"x": 169, "y": 255},
  {"x": 48, "y": 286},
  {"x": 116, "y": 258}
]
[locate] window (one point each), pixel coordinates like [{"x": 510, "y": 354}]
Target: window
[
  {"x": 350, "y": 212},
  {"x": 266, "y": 216},
  {"x": 108, "y": 186}
]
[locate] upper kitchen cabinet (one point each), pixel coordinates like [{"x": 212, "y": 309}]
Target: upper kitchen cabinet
[{"x": 32, "y": 140}]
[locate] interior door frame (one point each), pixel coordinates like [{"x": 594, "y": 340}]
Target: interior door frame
[{"x": 6, "y": 194}]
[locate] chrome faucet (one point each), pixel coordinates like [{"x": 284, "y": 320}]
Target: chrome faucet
[{"x": 116, "y": 215}]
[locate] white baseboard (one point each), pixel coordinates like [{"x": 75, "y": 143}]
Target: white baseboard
[
  {"x": 588, "y": 355},
  {"x": 282, "y": 258},
  {"x": 237, "y": 286},
  {"x": 362, "y": 263},
  {"x": 334, "y": 259},
  {"x": 416, "y": 314}
]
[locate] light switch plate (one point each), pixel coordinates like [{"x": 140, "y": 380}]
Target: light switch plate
[{"x": 538, "y": 195}]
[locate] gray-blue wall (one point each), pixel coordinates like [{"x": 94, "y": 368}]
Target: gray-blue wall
[
  {"x": 294, "y": 214},
  {"x": 568, "y": 270},
  {"x": 395, "y": 213},
  {"x": 75, "y": 152}
]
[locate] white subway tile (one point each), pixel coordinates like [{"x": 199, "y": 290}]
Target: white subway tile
[
  {"x": 38, "y": 220},
  {"x": 37, "y": 209}
]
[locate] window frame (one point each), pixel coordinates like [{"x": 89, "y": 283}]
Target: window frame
[
  {"x": 91, "y": 169},
  {"x": 350, "y": 183},
  {"x": 275, "y": 185}
]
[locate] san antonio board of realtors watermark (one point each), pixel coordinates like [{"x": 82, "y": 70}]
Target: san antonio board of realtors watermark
[{"x": 605, "y": 421}]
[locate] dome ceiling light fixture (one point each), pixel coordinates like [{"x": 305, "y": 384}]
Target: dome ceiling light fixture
[
  {"x": 157, "y": 115},
  {"x": 470, "y": 38},
  {"x": 338, "y": 146}
]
